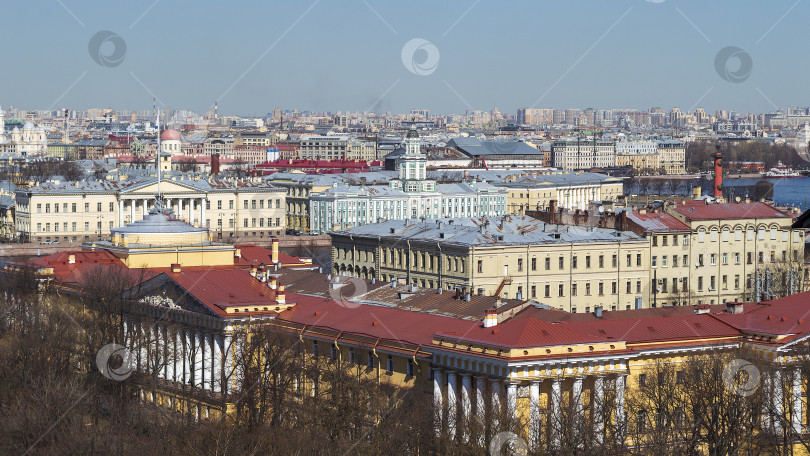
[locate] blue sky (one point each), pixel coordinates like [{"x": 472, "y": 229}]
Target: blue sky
[{"x": 346, "y": 55}]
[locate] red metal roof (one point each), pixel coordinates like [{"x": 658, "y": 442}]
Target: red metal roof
[
  {"x": 529, "y": 332},
  {"x": 219, "y": 289},
  {"x": 375, "y": 321},
  {"x": 254, "y": 254},
  {"x": 657, "y": 222},
  {"x": 651, "y": 329},
  {"x": 699, "y": 210}
]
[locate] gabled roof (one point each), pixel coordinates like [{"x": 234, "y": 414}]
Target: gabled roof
[
  {"x": 219, "y": 289},
  {"x": 653, "y": 329}
]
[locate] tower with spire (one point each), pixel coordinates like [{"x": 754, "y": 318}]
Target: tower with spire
[{"x": 412, "y": 166}]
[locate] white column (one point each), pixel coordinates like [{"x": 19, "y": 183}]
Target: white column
[
  {"x": 555, "y": 412},
  {"x": 534, "y": 414},
  {"x": 511, "y": 400},
  {"x": 207, "y": 361},
  {"x": 187, "y": 356},
  {"x": 598, "y": 408},
  {"x": 480, "y": 406},
  {"x": 466, "y": 403},
  {"x": 576, "y": 397},
  {"x": 143, "y": 348},
  {"x": 178, "y": 355},
  {"x": 145, "y": 203},
  {"x": 495, "y": 404},
  {"x": 157, "y": 355},
  {"x": 452, "y": 409},
  {"x": 620, "y": 418},
  {"x": 227, "y": 362},
  {"x": 202, "y": 211},
  {"x": 191, "y": 211},
  {"x": 120, "y": 212},
  {"x": 765, "y": 418},
  {"x": 796, "y": 403},
  {"x": 198, "y": 359},
  {"x": 165, "y": 349},
  {"x": 776, "y": 399},
  {"x": 216, "y": 377},
  {"x": 438, "y": 402},
  {"x": 131, "y": 211}
]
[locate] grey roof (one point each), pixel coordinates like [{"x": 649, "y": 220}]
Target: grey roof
[
  {"x": 474, "y": 147},
  {"x": 7, "y": 201},
  {"x": 488, "y": 231},
  {"x": 7, "y": 186},
  {"x": 556, "y": 180},
  {"x": 155, "y": 222}
]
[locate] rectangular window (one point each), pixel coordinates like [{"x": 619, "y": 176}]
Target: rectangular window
[
  {"x": 588, "y": 289},
  {"x": 548, "y": 263},
  {"x": 73, "y": 207},
  {"x": 561, "y": 290},
  {"x": 219, "y": 204},
  {"x": 547, "y": 291},
  {"x": 73, "y": 226},
  {"x": 561, "y": 262},
  {"x": 86, "y": 226},
  {"x": 98, "y": 207},
  {"x": 713, "y": 259},
  {"x": 654, "y": 260},
  {"x": 261, "y": 204},
  {"x": 638, "y": 259},
  {"x": 700, "y": 283},
  {"x": 674, "y": 261},
  {"x": 86, "y": 207},
  {"x": 245, "y": 205},
  {"x": 520, "y": 264},
  {"x": 601, "y": 289},
  {"x": 573, "y": 289},
  {"x": 534, "y": 264},
  {"x": 614, "y": 288},
  {"x": 230, "y": 204},
  {"x": 48, "y": 208},
  {"x": 614, "y": 261},
  {"x": 409, "y": 370},
  {"x": 112, "y": 207},
  {"x": 601, "y": 261},
  {"x": 737, "y": 282},
  {"x": 480, "y": 266},
  {"x": 629, "y": 260},
  {"x": 638, "y": 286},
  {"x": 574, "y": 262},
  {"x": 39, "y": 208},
  {"x": 629, "y": 288},
  {"x": 56, "y": 208},
  {"x": 534, "y": 291},
  {"x": 587, "y": 261}
]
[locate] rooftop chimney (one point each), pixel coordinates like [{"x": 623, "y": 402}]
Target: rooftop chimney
[
  {"x": 734, "y": 307},
  {"x": 280, "y": 298},
  {"x": 261, "y": 273},
  {"x": 491, "y": 318},
  {"x": 71, "y": 259},
  {"x": 176, "y": 267},
  {"x": 273, "y": 281},
  {"x": 597, "y": 311},
  {"x": 275, "y": 250}
]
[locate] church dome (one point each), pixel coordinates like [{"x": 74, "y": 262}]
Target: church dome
[{"x": 170, "y": 135}]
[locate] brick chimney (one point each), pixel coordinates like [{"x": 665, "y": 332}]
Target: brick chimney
[
  {"x": 215, "y": 164},
  {"x": 280, "y": 295}
]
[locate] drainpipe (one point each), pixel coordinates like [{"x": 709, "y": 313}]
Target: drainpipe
[
  {"x": 439, "y": 246},
  {"x": 416, "y": 364},
  {"x": 339, "y": 357},
  {"x": 374, "y": 350},
  {"x": 408, "y": 261}
]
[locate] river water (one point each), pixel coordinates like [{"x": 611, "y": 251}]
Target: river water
[{"x": 793, "y": 191}]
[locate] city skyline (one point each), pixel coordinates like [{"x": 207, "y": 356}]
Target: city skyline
[{"x": 320, "y": 57}]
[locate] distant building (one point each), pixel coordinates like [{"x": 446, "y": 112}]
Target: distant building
[
  {"x": 499, "y": 154},
  {"x": 572, "y": 155}
]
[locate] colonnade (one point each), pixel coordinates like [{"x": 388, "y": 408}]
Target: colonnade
[
  {"x": 183, "y": 207},
  {"x": 454, "y": 399}
]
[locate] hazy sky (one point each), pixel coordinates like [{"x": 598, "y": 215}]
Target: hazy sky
[{"x": 334, "y": 55}]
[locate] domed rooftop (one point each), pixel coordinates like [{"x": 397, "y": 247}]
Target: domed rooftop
[
  {"x": 156, "y": 222},
  {"x": 159, "y": 228},
  {"x": 412, "y": 133},
  {"x": 170, "y": 135}
]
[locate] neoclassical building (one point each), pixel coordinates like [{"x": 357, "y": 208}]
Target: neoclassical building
[
  {"x": 81, "y": 211},
  {"x": 411, "y": 195}
]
